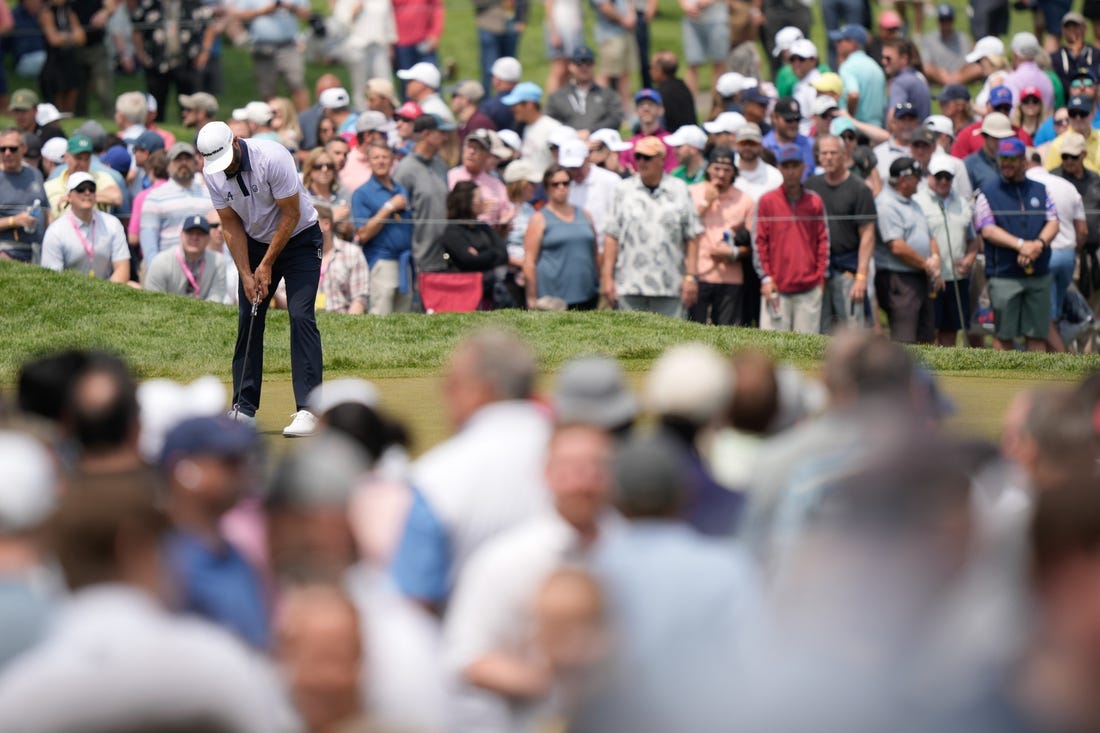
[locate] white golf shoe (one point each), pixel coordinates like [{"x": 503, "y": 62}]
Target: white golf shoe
[
  {"x": 303, "y": 424},
  {"x": 241, "y": 417}
]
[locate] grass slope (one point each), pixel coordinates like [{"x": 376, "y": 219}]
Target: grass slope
[{"x": 180, "y": 338}]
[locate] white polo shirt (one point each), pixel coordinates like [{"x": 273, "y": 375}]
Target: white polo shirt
[{"x": 267, "y": 173}]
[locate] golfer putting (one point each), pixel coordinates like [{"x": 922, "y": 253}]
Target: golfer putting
[{"x": 271, "y": 229}]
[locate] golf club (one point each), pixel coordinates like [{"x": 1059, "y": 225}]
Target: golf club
[
  {"x": 951, "y": 263},
  {"x": 244, "y": 361}
]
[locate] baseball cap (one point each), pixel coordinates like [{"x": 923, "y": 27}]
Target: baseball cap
[
  {"x": 1011, "y": 147},
  {"x": 1073, "y": 144},
  {"x": 335, "y": 98},
  {"x": 889, "y": 19},
  {"x": 999, "y": 96},
  {"x": 1083, "y": 72},
  {"x": 46, "y": 113},
  {"x": 521, "y": 170},
  {"x": 904, "y": 166},
  {"x": 749, "y": 133},
  {"x": 23, "y": 99},
  {"x": 592, "y": 390},
  {"x": 849, "y": 32},
  {"x": 954, "y": 92},
  {"x": 841, "y": 125},
  {"x": 180, "y": 148},
  {"x": 987, "y": 46},
  {"x": 525, "y": 91},
  {"x": 382, "y": 87},
  {"x": 207, "y": 436},
  {"x": 923, "y": 135},
  {"x": 196, "y": 222},
  {"x": 431, "y": 122},
  {"x": 258, "y": 113},
  {"x": 755, "y": 95},
  {"x": 804, "y": 48},
  {"x": 940, "y": 124},
  {"x": 725, "y": 122},
  {"x": 788, "y": 108},
  {"x": 829, "y": 83},
  {"x": 409, "y": 111},
  {"x": 1073, "y": 17},
  {"x": 996, "y": 124},
  {"x": 78, "y": 178},
  {"x": 199, "y": 100},
  {"x": 583, "y": 55},
  {"x": 30, "y": 482},
  {"x": 54, "y": 149},
  {"x": 784, "y": 37},
  {"x": 610, "y": 139},
  {"x": 940, "y": 164},
  {"x": 650, "y": 145},
  {"x": 721, "y": 154},
  {"x": 512, "y": 139},
  {"x": 33, "y": 145},
  {"x": 788, "y": 153},
  {"x": 945, "y": 11},
  {"x": 1027, "y": 92},
  {"x": 730, "y": 84},
  {"x": 117, "y": 158},
  {"x": 692, "y": 135},
  {"x": 215, "y": 145},
  {"x": 507, "y": 68},
  {"x": 149, "y": 141},
  {"x": 573, "y": 154},
  {"x": 370, "y": 121},
  {"x": 79, "y": 144},
  {"x": 650, "y": 95},
  {"x": 489, "y": 140},
  {"x": 823, "y": 103},
  {"x": 423, "y": 72},
  {"x": 1079, "y": 103},
  {"x": 470, "y": 89},
  {"x": 560, "y": 135},
  {"x": 905, "y": 109}
]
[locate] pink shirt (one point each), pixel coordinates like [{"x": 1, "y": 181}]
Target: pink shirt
[
  {"x": 494, "y": 193},
  {"x": 134, "y": 227},
  {"x": 731, "y": 211},
  {"x": 627, "y": 156},
  {"x": 356, "y": 171}
]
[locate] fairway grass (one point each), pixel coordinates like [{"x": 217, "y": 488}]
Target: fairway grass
[{"x": 181, "y": 338}]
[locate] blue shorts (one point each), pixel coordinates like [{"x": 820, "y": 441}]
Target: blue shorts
[
  {"x": 707, "y": 38},
  {"x": 1062, "y": 262}
]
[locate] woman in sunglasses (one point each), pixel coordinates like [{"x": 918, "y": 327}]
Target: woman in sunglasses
[
  {"x": 320, "y": 179},
  {"x": 85, "y": 239},
  {"x": 1031, "y": 111},
  {"x": 560, "y": 248}
]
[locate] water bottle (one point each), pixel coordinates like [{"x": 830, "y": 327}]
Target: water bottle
[
  {"x": 776, "y": 309},
  {"x": 35, "y": 211}
]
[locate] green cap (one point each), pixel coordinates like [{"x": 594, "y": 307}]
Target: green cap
[
  {"x": 79, "y": 144},
  {"x": 23, "y": 99}
]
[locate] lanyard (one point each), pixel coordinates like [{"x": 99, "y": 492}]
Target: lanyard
[
  {"x": 89, "y": 248},
  {"x": 187, "y": 272}
]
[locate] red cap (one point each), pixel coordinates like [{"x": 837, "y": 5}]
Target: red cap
[
  {"x": 1030, "y": 92},
  {"x": 889, "y": 19},
  {"x": 409, "y": 110}
]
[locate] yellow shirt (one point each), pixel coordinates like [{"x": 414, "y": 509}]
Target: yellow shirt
[
  {"x": 56, "y": 193},
  {"x": 1092, "y": 152}
]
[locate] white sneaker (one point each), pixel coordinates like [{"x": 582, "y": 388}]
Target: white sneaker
[
  {"x": 241, "y": 417},
  {"x": 303, "y": 424}
]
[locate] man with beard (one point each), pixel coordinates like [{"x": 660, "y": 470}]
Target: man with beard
[
  {"x": 904, "y": 121},
  {"x": 167, "y": 206}
]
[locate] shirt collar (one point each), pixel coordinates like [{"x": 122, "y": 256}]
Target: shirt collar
[
  {"x": 246, "y": 162},
  {"x": 893, "y": 192}
]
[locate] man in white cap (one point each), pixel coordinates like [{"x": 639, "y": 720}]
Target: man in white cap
[
  {"x": 166, "y": 206},
  {"x": 270, "y": 225},
  {"x": 422, "y": 86},
  {"x": 1026, "y": 72},
  {"x": 84, "y": 239},
  {"x": 778, "y": 53},
  {"x": 273, "y": 38},
  {"x": 982, "y": 165},
  {"x": 689, "y": 142},
  {"x": 337, "y": 106},
  {"x": 257, "y": 116},
  {"x": 592, "y": 186},
  {"x": 724, "y": 127},
  {"x": 604, "y": 147},
  {"x": 944, "y": 139},
  {"x": 506, "y": 73},
  {"x": 803, "y": 57}
]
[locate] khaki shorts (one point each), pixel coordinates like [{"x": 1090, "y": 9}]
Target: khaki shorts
[
  {"x": 270, "y": 62},
  {"x": 618, "y": 55}
]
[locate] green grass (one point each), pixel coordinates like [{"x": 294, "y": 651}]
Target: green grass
[{"x": 180, "y": 338}]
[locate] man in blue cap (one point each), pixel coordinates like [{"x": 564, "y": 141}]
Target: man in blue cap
[
  {"x": 955, "y": 105},
  {"x": 525, "y": 99},
  {"x": 786, "y": 117},
  {"x": 864, "y": 80},
  {"x": 1017, "y": 220},
  {"x": 650, "y": 108}
]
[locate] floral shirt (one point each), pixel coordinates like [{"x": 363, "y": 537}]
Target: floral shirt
[{"x": 171, "y": 30}]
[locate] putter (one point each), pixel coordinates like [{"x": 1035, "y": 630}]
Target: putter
[
  {"x": 951, "y": 263},
  {"x": 244, "y": 362}
]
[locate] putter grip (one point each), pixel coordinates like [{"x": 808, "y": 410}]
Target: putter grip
[{"x": 255, "y": 307}]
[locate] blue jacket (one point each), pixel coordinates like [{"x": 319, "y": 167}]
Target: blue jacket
[{"x": 1019, "y": 208}]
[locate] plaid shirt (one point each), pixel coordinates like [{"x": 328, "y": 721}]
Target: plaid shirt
[{"x": 346, "y": 278}]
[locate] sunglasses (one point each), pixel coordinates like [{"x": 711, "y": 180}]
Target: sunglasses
[
  {"x": 1008, "y": 159},
  {"x": 322, "y": 166},
  {"x": 848, "y": 135},
  {"x": 1078, "y": 114},
  {"x": 1078, "y": 83},
  {"x": 1031, "y": 100},
  {"x": 559, "y": 184},
  {"x": 403, "y": 118},
  {"x": 944, "y": 177},
  {"x": 1003, "y": 108},
  {"x": 799, "y": 58},
  {"x": 1067, "y": 156},
  {"x": 643, "y": 157},
  {"x": 9, "y": 148},
  {"x": 1059, "y": 121},
  {"x": 85, "y": 188}
]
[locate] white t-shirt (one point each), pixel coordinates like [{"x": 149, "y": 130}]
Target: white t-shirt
[
  {"x": 594, "y": 196},
  {"x": 1067, "y": 202},
  {"x": 758, "y": 181},
  {"x": 536, "y": 147},
  {"x": 267, "y": 173}
]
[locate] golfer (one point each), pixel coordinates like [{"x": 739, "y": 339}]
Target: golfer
[{"x": 271, "y": 228}]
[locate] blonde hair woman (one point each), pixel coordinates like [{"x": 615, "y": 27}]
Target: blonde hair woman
[
  {"x": 284, "y": 121},
  {"x": 320, "y": 179}
]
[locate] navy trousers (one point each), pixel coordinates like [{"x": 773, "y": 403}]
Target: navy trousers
[{"x": 300, "y": 265}]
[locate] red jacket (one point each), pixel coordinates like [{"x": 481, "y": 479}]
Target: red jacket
[
  {"x": 792, "y": 243},
  {"x": 417, "y": 20},
  {"x": 971, "y": 140}
]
